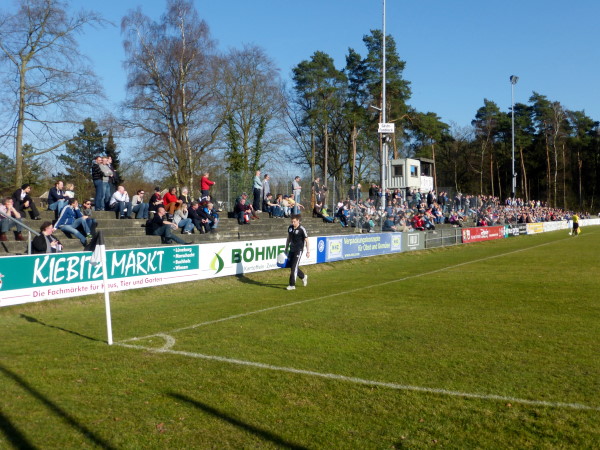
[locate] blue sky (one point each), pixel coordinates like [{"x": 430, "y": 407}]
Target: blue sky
[{"x": 457, "y": 52}]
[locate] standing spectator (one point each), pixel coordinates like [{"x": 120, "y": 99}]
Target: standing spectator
[
  {"x": 266, "y": 191},
  {"x": 56, "y": 197},
  {"x": 70, "y": 218},
  {"x": 257, "y": 192},
  {"x": 97, "y": 175},
  {"x": 171, "y": 202},
  {"x": 45, "y": 242},
  {"x": 8, "y": 209},
  {"x": 107, "y": 177},
  {"x": 160, "y": 226},
  {"x": 115, "y": 179},
  {"x": 373, "y": 192},
  {"x": 138, "y": 206},
  {"x": 120, "y": 203},
  {"x": 296, "y": 191},
  {"x": 181, "y": 219},
  {"x": 352, "y": 193},
  {"x": 22, "y": 201},
  {"x": 156, "y": 200},
  {"x": 205, "y": 185}
]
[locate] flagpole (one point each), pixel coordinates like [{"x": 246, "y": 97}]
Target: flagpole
[
  {"x": 99, "y": 257},
  {"x": 106, "y": 297}
]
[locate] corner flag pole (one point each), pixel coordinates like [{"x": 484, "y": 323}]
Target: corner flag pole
[{"x": 99, "y": 257}]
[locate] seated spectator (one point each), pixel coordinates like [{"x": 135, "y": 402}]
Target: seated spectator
[
  {"x": 418, "y": 223},
  {"x": 342, "y": 213},
  {"x": 156, "y": 200},
  {"x": 317, "y": 210},
  {"x": 70, "y": 218},
  {"x": 120, "y": 203},
  {"x": 325, "y": 216},
  {"x": 196, "y": 214},
  {"x": 138, "y": 206},
  {"x": 160, "y": 226},
  {"x": 87, "y": 211},
  {"x": 171, "y": 202},
  {"x": 70, "y": 190},
  {"x": 455, "y": 219},
  {"x": 22, "y": 202},
  {"x": 181, "y": 219},
  {"x": 369, "y": 224},
  {"x": 285, "y": 205},
  {"x": 294, "y": 205},
  {"x": 388, "y": 225},
  {"x": 45, "y": 242},
  {"x": 185, "y": 197},
  {"x": 56, "y": 198},
  {"x": 212, "y": 215},
  {"x": 273, "y": 207},
  {"x": 243, "y": 212},
  {"x": 7, "y": 211}
]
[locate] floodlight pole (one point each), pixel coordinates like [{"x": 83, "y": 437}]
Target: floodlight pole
[
  {"x": 383, "y": 117},
  {"x": 513, "y": 81}
]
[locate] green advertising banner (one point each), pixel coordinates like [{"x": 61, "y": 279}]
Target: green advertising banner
[{"x": 42, "y": 277}]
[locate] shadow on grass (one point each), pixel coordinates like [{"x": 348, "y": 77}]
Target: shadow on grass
[
  {"x": 13, "y": 435},
  {"x": 244, "y": 279},
  {"x": 65, "y": 416},
  {"x": 34, "y": 320},
  {"x": 267, "y": 435}
]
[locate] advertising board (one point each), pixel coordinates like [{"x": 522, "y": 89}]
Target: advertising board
[
  {"x": 235, "y": 258},
  {"x": 535, "y": 228},
  {"x": 48, "y": 276},
  {"x": 336, "y": 248},
  {"x": 482, "y": 234}
]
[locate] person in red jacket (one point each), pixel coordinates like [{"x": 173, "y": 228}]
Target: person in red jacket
[
  {"x": 418, "y": 223},
  {"x": 171, "y": 202},
  {"x": 205, "y": 185}
]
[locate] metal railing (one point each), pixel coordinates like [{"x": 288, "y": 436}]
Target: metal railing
[{"x": 18, "y": 222}]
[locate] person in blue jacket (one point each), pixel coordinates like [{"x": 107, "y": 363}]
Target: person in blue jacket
[{"x": 70, "y": 218}]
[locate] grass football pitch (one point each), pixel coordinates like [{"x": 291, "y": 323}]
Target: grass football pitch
[{"x": 490, "y": 345}]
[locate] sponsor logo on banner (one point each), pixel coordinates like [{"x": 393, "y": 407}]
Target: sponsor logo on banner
[
  {"x": 396, "y": 242},
  {"x": 414, "y": 240},
  {"x": 359, "y": 245},
  {"x": 522, "y": 228},
  {"x": 482, "y": 234},
  {"x": 235, "y": 258},
  {"x": 535, "y": 228},
  {"x": 334, "y": 249},
  {"x": 555, "y": 226},
  {"x": 47, "y": 276},
  {"x": 510, "y": 231}
]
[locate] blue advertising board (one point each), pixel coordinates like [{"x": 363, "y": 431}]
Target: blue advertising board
[{"x": 336, "y": 248}]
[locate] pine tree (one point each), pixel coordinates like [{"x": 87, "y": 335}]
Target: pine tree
[{"x": 79, "y": 155}]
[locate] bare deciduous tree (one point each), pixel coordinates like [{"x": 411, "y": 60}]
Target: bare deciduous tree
[
  {"x": 172, "y": 90},
  {"x": 254, "y": 98},
  {"x": 47, "y": 80}
]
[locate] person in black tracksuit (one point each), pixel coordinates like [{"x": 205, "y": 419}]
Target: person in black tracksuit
[{"x": 296, "y": 240}]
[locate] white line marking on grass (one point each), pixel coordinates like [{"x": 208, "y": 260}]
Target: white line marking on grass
[
  {"x": 336, "y": 294},
  {"x": 169, "y": 341}
]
